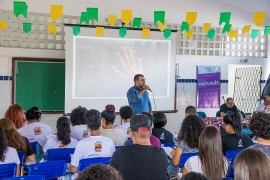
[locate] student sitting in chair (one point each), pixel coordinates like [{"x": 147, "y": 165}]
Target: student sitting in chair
[
  {"x": 94, "y": 146},
  {"x": 34, "y": 130},
  {"x": 62, "y": 138},
  {"x": 125, "y": 113}
]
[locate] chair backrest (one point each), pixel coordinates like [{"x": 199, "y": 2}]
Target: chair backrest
[
  {"x": 49, "y": 169},
  {"x": 36, "y": 177},
  {"x": 84, "y": 163},
  {"x": 59, "y": 154},
  {"x": 22, "y": 158},
  {"x": 167, "y": 145},
  {"x": 118, "y": 147},
  {"x": 184, "y": 158},
  {"x": 231, "y": 155},
  {"x": 8, "y": 170},
  {"x": 34, "y": 146},
  {"x": 201, "y": 114},
  {"x": 218, "y": 114}
]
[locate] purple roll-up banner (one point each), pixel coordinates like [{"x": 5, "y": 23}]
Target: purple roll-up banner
[{"x": 208, "y": 86}]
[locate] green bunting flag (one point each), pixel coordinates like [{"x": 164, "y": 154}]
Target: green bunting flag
[
  {"x": 92, "y": 13},
  {"x": 167, "y": 33},
  {"x": 184, "y": 26},
  {"x": 137, "y": 22},
  {"x": 225, "y": 17},
  {"x": 267, "y": 30},
  {"x": 211, "y": 33},
  {"x": 20, "y": 8},
  {"x": 254, "y": 33},
  {"x": 27, "y": 27},
  {"x": 122, "y": 32},
  {"x": 159, "y": 16},
  {"x": 227, "y": 28},
  {"x": 84, "y": 18},
  {"x": 76, "y": 30}
]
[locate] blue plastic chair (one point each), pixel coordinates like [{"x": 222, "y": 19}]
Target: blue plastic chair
[
  {"x": 201, "y": 114},
  {"x": 84, "y": 163},
  {"x": 22, "y": 160},
  {"x": 37, "y": 177},
  {"x": 167, "y": 145},
  {"x": 118, "y": 147},
  {"x": 59, "y": 154},
  {"x": 218, "y": 114},
  {"x": 231, "y": 155},
  {"x": 184, "y": 158},
  {"x": 49, "y": 169},
  {"x": 8, "y": 170}
]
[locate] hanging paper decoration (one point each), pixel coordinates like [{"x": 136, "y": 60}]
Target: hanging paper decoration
[
  {"x": 92, "y": 13},
  {"x": 225, "y": 17},
  {"x": 20, "y": 8},
  {"x": 52, "y": 28},
  {"x": 27, "y": 27},
  {"x": 167, "y": 33},
  {"x": 146, "y": 32},
  {"x": 122, "y": 32},
  {"x": 161, "y": 26},
  {"x": 112, "y": 20},
  {"x": 137, "y": 22},
  {"x": 227, "y": 28},
  {"x": 3, "y": 25},
  {"x": 191, "y": 18},
  {"x": 246, "y": 29},
  {"x": 233, "y": 34},
  {"x": 84, "y": 18},
  {"x": 259, "y": 18},
  {"x": 76, "y": 30},
  {"x": 99, "y": 31},
  {"x": 206, "y": 27},
  {"x": 126, "y": 16},
  {"x": 184, "y": 27},
  {"x": 267, "y": 30},
  {"x": 189, "y": 34},
  {"x": 159, "y": 16},
  {"x": 254, "y": 33},
  {"x": 211, "y": 33},
  {"x": 56, "y": 12}
]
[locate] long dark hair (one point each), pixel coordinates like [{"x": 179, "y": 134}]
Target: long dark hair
[
  {"x": 3, "y": 144},
  {"x": 33, "y": 113},
  {"x": 63, "y": 130},
  {"x": 235, "y": 121},
  {"x": 14, "y": 139},
  {"x": 190, "y": 131},
  {"x": 210, "y": 153},
  {"x": 109, "y": 114}
]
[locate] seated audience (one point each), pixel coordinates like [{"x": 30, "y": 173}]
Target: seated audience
[
  {"x": 190, "y": 110},
  {"x": 265, "y": 107},
  {"x": 62, "y": 139},
  {"x": 210, "y": 161},
  {"x": 8, "y": 154},
  {"x": 16, "y": 141},
  {"x": 140, "y": 160},
  {"x": 251, "y": 164},
  {"x": 228, "y": 107},
  {"x": 234, "y": 139},
  {"x": 259, "y": 125},
  {"x": 99, "y": 172},
  {"x": 108, "y": 116},
  {"x": 94, "y": 146},
  {"x": 160, "y": 120},
  {"x": 125, "y": 113},
  {"x": 154, "y": 141},
  {"x": 77, "y": 118},
  {"x": 188, "y": 137},
  {"x": 34, "y": 130},
  {"x": 194, "y": 176},
  {"x": 16, "y": 114}
]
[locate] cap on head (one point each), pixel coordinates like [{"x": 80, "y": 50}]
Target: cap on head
[{"x": 140, "y": 123}]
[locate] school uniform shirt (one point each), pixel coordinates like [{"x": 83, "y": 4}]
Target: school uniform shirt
[
  {"x": 125, "y": 127},
  {"x": 118, "y": 136},
  {"x": 53, "y": 143},
  {"x": 232, "y": 141},
  {"x": 79, "y": 132},
  {"x": 11, "y": 156},
  {"x": 92, "y": 147},
  {"x": 36, "y": 132},
  {"x": 163, "y": 135}
]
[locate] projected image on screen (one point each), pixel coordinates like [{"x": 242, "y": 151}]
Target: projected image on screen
[{"x": 105, "y": 67}]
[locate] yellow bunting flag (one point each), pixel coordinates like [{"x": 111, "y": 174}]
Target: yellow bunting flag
[
  {"x": 99, "y": 31},
  {"x": 259, "y": 18},
  {"x": 189, "y": 34},
  {"x": 52, "y": 28},
  {"x": 112, "y": 20},
  {"x": 56, "y": 12},
  {"x": 161, "y": 26},
  {"x": 246, "y": 29},
  {"x": 3, "y": 25},
  {"x": 191, "y": 18},
  {"x": 146, "y": 32},
  {"x": 126, "y": 16},
  {"x": 233, "y": 34},
  {"x": 206, "y": 27}
]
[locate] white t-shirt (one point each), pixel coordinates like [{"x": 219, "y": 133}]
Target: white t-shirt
[
  {"x": 36, "y": 132},
  {"x": 92, "y": 147},
  {"x": 118, "y": 136},
  {"x": 79, "y": 132},
  {"x": 193, "y": 164},
  {"x": 11, "y": 156},
  {"x": 124, "y": 127},
  {"x": 262, "y": 108},
  {"x": 53, "y": 143}
]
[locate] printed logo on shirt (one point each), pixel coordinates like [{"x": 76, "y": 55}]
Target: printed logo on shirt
[
  {"x": 240, "y": 144},
  {"x": 98, "y": 146},
  {"x": 85, "y": 134},
  {"x": 37, "y": 130},
  {"x": 162, "y": 136},
  {"x": 62, "y": 145}
]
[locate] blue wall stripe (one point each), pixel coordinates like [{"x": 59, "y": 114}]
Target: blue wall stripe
[{"x": 5, "y": 78}]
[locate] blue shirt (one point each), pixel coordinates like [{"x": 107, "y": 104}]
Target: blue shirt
[{"x": 138, "y": 105}]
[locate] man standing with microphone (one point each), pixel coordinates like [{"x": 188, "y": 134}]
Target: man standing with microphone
[{"x": 138, "y": 97}]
